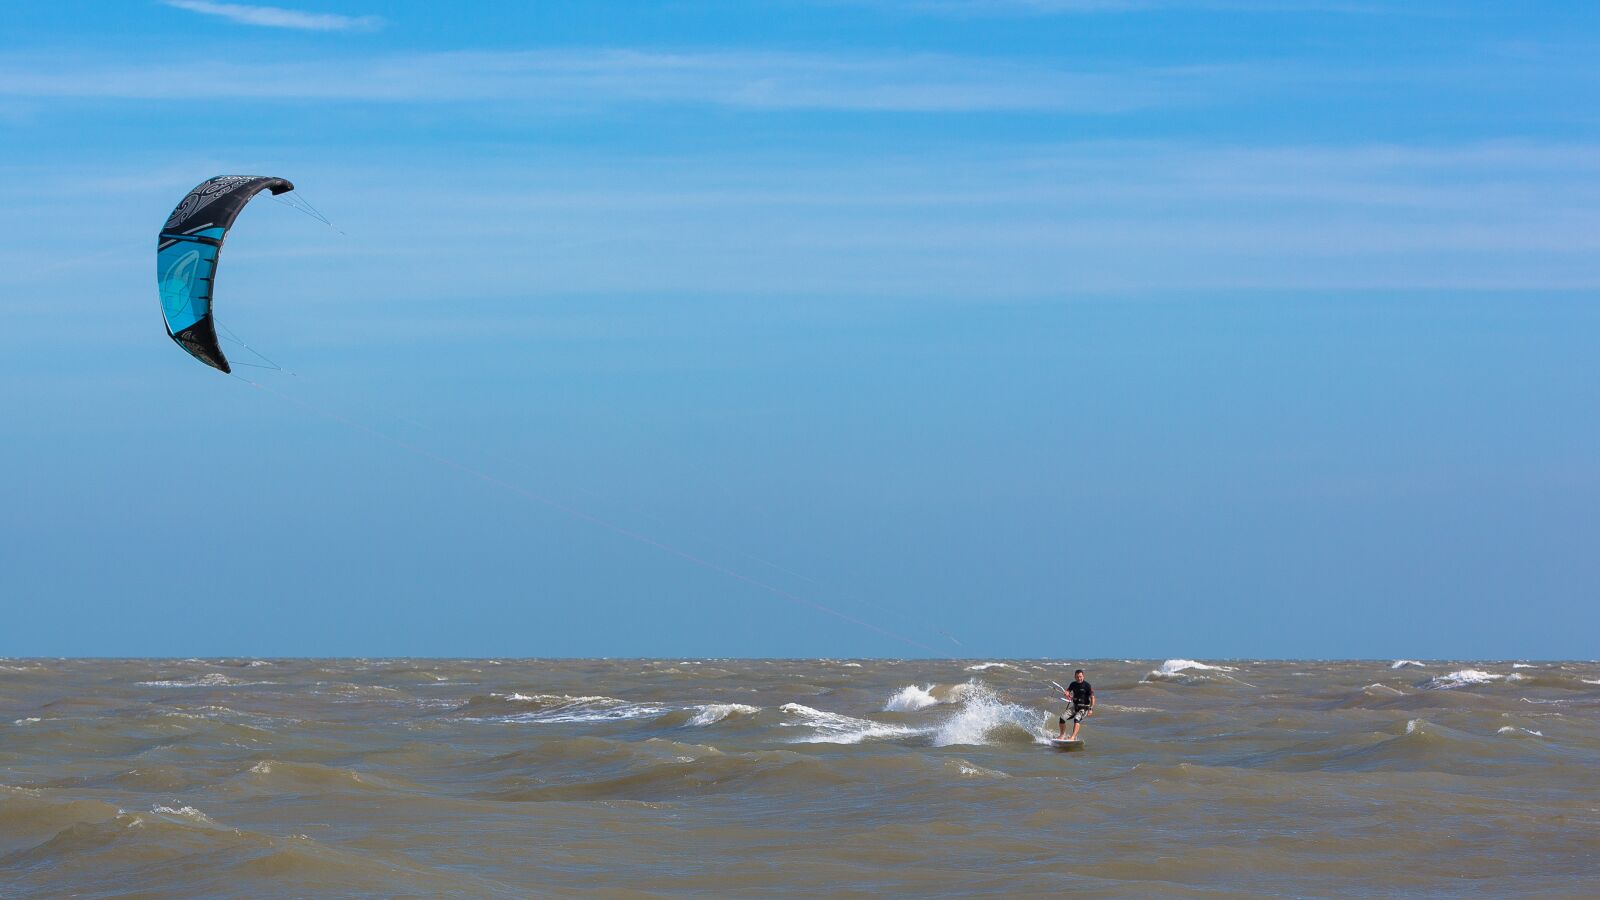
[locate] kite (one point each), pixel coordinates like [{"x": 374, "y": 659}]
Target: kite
[{"x": 186, "y": 258}]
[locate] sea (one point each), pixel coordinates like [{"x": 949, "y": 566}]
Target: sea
[{"x": 779, "y": 778}]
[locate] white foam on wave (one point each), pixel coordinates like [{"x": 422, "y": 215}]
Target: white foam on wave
[
  {"x": 1414, "y": 726},
  {"x": 836, "y": 728},
  {"x": 978, "y": 715},
  {"x": 1590, "y": 680},
  {"x": 911, "y": 698},
  {"x": 183, "y": 812},
  {"x": 1381, "y": 688},
  {"x": 1188, "y": 670},
  {"x": 984, "y": 667},
  {"x": 27, "y": 720},
  {"x": 968, "y": 770},
  {"x": 1402, "y": 663},
  {"x": 1459, "y": 678},
  {"x": 1175, "y": 666},
  {"x": 1507, "y": 729},
  {"x": 215, "y": 679},
  {"x": 565, "y": 709},
  {"x": 712, "y": 713},
  {"x": 1523, "y": 666}
]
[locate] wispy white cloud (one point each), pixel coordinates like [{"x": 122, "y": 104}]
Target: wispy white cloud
[
  {"x": 977, "y": 8},
  {"x": 1137, "y": 217},
  {"x": 277, "y": 16},
  {"x": 581, "y": 78}
]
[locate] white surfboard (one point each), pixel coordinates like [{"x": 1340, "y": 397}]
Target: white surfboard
[{"x": 1064, "y": 744}]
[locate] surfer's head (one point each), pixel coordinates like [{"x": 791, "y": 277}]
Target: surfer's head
[{"x": 1078, "y": 675}]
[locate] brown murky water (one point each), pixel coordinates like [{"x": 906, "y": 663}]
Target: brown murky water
[{"x": 509, "y": 778}]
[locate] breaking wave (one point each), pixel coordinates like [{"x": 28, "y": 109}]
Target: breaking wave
[
  {"x": 1188, "y": 671},
  {"x": 1514, "y": 731},
  {"x": 1459, "y": 678},
  {"x": 912, "y": 698},
  {"x": 712, "y": 713},
  {"x": 555, "y": 709},
  {"x": 984, "y": 718},
  {"x": 980, "y": 717},
  {"x": 836, "y": 728},
  {"x": 215, "y": 679}
]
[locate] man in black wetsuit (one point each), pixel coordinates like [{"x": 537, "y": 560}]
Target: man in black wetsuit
[{"x": 1081, "y": 693}]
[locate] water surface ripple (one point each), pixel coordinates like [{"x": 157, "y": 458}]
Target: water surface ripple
[{"x": 509, "y": 778}]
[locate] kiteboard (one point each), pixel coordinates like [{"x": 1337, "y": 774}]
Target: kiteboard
[{"x": 1065, "y": 744}]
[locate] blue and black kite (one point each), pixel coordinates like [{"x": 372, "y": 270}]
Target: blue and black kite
[{"x": 186, "y": 258}]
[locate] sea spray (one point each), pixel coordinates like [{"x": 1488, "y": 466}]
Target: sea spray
[{"x": 984, "y": 718}]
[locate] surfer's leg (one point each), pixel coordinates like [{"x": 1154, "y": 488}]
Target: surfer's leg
[{"x": 1063, "y": 732}]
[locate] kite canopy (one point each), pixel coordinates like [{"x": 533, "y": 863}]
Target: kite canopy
[{"x": 186, "y": 258}]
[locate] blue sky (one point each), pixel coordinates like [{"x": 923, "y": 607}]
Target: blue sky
[{"x": 1070, "y": 328}]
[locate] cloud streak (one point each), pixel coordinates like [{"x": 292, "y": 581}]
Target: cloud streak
[
  {"x": 1049, "y": 222},
  {"x": 277, "y": 17},
  {"x": 582, "y": 78},
  {"x": 981, "y": 8}
]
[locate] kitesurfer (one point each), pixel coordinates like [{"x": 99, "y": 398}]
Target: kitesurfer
[{"x": 1081, "y": 694}]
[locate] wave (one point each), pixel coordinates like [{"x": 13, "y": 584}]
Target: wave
[
  {"x": 653, "y": 780},
  {"x": 1188, "y": 671},
  {"x": 551, "y": 709},
  {"x": 912, "y": 698},
  {"x": 981, "y": 717},
  {"x": 1517, "y": 732},
  {"x": 293, "y": 778},
  {"x": 712, "y": 713},
  {"x": 150, "y": 854},
  {"x": 215, "y": 679},
  {"x": 1459, "y": 678},
  {"x": 1403, "y": 663},
  {"x": 837, "y": 728},
  {"x": 986, "y": 719},
  {"x": 984, "y": 667},
  {"x": 602, "y": 709},
  {"x": 1371, "y": 696},
  {"x": 186, "y": 813}
]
